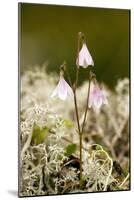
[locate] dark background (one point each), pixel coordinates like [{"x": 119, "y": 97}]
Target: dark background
[{"x": 49, "y": 34}]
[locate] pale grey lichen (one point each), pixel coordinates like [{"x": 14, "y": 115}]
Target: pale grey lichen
[{"x": 45, "y": 168}]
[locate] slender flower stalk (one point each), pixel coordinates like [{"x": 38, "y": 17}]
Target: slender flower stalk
[
  {"x": 75, "y": 103},
  {"x": 95, "y": 96},
  {"x": 84, "y": 59}
]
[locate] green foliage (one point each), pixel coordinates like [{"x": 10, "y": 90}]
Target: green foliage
[
  {"x": 39, "y": 134},
  {"x": 68, "y": 123},
  {"x": 70, "y": 149}
]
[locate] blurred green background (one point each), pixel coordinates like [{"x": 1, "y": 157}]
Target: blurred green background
[{"x": 48, "y": 33}]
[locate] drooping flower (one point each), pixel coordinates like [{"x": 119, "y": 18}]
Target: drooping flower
[
  {"x": 96, "y": 96},
  {"x": 63, "y": 90},
  {"x": 85, "y": 58}
]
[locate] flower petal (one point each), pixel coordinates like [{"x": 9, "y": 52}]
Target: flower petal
[
  {"x": 96, "y": 96},
  {"x": 62, "y": 90},
  {"x": 62, "y": 95},
  {"x": 85, "y": 57},
  {"x": 55, "y": 92},
  {"x": 98, "y": 102}
]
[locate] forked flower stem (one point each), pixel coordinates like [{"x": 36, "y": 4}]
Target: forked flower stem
[
  {"x": 76, "y": 111},
  {"x": 76, "y": 107},
  {"x": 80, "y": 130}
]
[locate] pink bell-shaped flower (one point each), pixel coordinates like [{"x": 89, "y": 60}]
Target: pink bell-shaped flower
[
  {"x": 63, "y": 90},
  {"x": 85, "y": 58},
  {"x": 96, "y": 96}
]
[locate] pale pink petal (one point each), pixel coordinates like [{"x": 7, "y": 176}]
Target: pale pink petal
[
  {"x": 55, "y": 92},
  {"x": 68, "y": 88},
  {"x": 85, "y": 57},
  {"x": 96, "y": 97},
  {"x": 98, "y": 102},
  {"x": 62, "y": 95},
  {"x": 62, "y": 90},
  {"x": 70, "y": 92},
  {"x": 90, "y": 100},
  {"x": 105, "y": 101}
]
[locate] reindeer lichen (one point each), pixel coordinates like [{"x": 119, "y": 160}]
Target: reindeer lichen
[{"x": 45, "y": 166}]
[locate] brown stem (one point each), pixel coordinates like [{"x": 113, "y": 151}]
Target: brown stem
[
  {"x": 78, "y": 124},
  {"x": 80, "y": 135},
  {"x": 76, "y": 82},
  {"x": 76, "y": 107},
  {"x": 76, "y": 111}
]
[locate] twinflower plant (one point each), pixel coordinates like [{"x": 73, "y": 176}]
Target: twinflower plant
[{"x": 95, "y": 96}]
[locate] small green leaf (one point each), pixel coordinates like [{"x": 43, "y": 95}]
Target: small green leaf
[
  {"x": 70, "y": 149},
  {"x": 68, "y": 123},
  {"x": 125, "y": 172},
  {"x": 59, "y": 157},
  {"x": 39, "y": 134}
]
